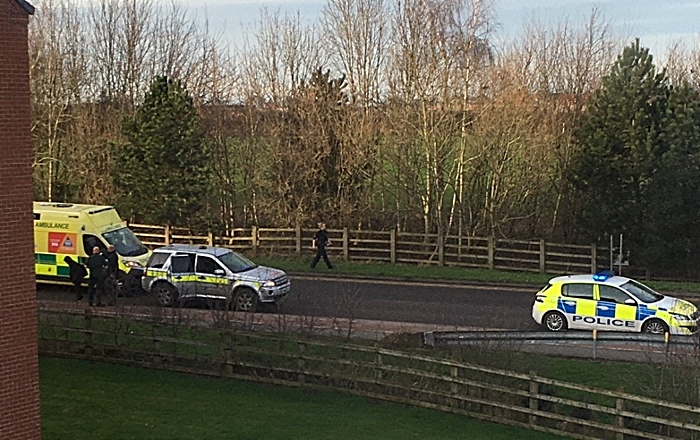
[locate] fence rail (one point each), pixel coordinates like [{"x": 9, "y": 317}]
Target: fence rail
[
  {"x": 507, "y": 397},
  {"x": 396, "y": 247}
]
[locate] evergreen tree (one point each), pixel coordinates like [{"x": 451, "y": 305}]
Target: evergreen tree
[
  {"x": 164, "y": 171},
  {"x": 636, "y": 171},
  {"x": 672, "y": 237},
  {"x": 617, "y": 145}
]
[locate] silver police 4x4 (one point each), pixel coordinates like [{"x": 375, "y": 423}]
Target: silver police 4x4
[{"x": 177, "y": 272}]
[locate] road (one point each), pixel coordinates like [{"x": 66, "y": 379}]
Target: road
[
  {"x": 427, "y": 302},
  {"x": 419, "y": 302}
]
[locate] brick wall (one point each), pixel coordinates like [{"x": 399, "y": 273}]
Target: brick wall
[{"x": 19, "y": 376}]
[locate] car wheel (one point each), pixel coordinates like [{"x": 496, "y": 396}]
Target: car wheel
[
  {"x": 655, "y": 326},
  {"x": 246, "y": 300},
  {"x": 165, "y": 294},
  {"x": 554, "y": 322}
]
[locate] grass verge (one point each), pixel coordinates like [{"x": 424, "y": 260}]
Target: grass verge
[
  {"x": 451, "y": 273},
  {"x": 93, "y": 401}
]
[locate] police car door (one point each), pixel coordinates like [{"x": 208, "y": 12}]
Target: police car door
[
  {"x": 212, "y": 281},
  {"x": 181, "y": 273},
  {"x": 616, "y": 310},
  {"x": 578, "y": 304}
]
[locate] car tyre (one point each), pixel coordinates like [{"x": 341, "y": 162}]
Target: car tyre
[
  {"x": 165, "y": 294},
  {"x": 554, "y": 322},
  {"x": 246, "y": 300},
  {"x": 655, "y": 327}
]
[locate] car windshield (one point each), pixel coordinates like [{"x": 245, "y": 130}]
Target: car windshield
[
  {"x": 125, "y": 242},
  {"x": 236, "y": 262},
  {"x": 642, "y": 292}
]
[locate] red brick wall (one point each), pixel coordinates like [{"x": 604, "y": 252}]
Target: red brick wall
[{"x": 19, "y": 375}]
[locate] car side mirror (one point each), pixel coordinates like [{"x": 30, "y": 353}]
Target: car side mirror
[
  {"x": 631, "y": 302},
  {"x": 219, "y": 272}
]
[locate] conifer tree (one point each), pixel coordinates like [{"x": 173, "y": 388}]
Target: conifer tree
[
  {"x": 636, "y": 170},
  {"x": 164, "y": 171}
]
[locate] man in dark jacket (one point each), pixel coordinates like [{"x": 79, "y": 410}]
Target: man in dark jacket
[
  {"x": 97, "y": 263},
  {"x": 319, "y": 243},
  {"x": 77, "y": 274},
  {"x": 111, "y": 288}
]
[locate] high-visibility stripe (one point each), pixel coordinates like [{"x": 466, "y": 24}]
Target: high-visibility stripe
[
  {"x": 586, "y": 307},
  {"x": 626, "y": 312}
]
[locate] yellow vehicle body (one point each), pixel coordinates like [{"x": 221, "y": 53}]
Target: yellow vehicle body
[{"x": 72, "y": 230}]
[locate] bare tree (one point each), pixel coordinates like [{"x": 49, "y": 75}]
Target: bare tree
[{"x": 355, "y": 34}]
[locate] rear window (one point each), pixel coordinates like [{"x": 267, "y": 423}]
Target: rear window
[
  {"x": 157, "y": 260},
  {"x": 583, "y": 291}
]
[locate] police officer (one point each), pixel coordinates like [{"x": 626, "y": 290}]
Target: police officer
[
  {"x": 97, "y": 264},
  {"x": 111, "y": 287},
  {"x": 320, "y": 241}
]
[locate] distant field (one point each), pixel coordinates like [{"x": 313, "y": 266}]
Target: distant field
[{"x": 83, "y": 400}]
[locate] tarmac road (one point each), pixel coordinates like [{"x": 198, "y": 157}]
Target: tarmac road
[{"x": 426, "y": 302}]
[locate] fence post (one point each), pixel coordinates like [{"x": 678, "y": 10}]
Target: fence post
[
  {"x": 392, "y": 245},
  {"x": 167, "y": 235},
  {"x": 379, "y": 362},
  {"x": 543, "y": 256},
  {"x": 534, "y": 402},
  {"x": 491, "y": 253},
  {"x": 619, "y": 419},
  {"x": 594, "y": 258},
  {"x": 346, "y": 245},
  {"x": 210, "y": 238},
  {"x": 254, "y": 239},
  {"x": 301, "y": 364},
  {"x": 88, "y": 332},
  {"x": 454, "y": 374},
  {"x": 441, "y": 247},
  {"x": 298, "y": 240}
]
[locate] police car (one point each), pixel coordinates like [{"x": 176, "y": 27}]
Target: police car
[
  {"x": 605, "y": 301},
  {"x": 180, "y": 272}
]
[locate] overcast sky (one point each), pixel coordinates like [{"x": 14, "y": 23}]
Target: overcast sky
[{"x": 655, "y": 22}]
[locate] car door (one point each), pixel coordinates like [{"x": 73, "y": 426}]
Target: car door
[
  {"x": 578, "y": 304},
  {"x": 181, "y": 273},
  {"x": 212, "y": 281},
  {"x": 616, "y": 310}
]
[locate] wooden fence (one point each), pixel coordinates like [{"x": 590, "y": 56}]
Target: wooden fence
[
  {"x": 526, "y": 400},
  {"x": 397, "y": 247}
]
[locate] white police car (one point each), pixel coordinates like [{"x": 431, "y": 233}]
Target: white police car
[{"x": 604, "y": 301}]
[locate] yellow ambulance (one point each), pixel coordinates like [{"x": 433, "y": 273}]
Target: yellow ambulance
[{"x": 67, "y": 229}]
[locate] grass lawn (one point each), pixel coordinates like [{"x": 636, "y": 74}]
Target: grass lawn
[
  {"x": 92, "y": 401},
  {"x": 449, "y": 273}
]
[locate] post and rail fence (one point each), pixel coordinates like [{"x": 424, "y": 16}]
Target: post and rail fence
[
  {"x": 397, "y": 247},
  {"x": 171, "y": 342}
]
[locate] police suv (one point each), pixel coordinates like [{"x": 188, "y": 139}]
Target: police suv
[
  {"x": 604, "y": 301},
  {"x": 178, "y": 272}
]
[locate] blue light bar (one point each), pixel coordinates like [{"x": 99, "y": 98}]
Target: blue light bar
[{"x": 603, "y": 275}]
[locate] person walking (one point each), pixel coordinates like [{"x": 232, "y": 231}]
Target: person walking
[
  {"x": 320, "y": 241},
  {"x": 111, "y": 285},
  {"x": 97, "y": 264},
  {"x": 77, "y": 274}
]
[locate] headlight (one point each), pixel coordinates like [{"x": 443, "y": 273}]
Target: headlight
[
  {"x": 132, "y": 264},
  {"x": 680, "y": 317},
  {"x": 269, "y": 283}
]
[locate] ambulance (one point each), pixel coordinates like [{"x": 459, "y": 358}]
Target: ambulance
[
  {"x": 604, "y": 301},
  {"x": 67, "y": 229}
]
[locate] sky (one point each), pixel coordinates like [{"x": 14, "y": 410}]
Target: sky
[{"x": 656, "y": 22}]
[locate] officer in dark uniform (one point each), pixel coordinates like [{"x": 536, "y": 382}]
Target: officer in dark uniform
[
  {"x": 77, "y": 274},
  {"x": 319, "y": 243},
  {"x": 111, "y": 287},
  {"x": 97, "y": 264}
]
